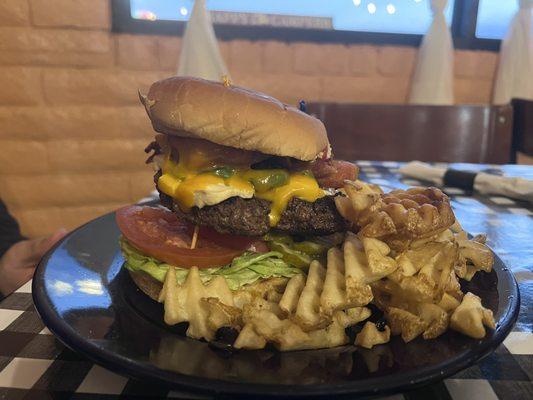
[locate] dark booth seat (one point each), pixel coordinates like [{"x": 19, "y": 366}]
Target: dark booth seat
[
  {"x": 522, "y": 128},
  {"x": 462, "y": 133}
]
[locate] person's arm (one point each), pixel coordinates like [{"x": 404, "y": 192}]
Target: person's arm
[
  {"x": 9, "y": 230},
  {"x": 19, "y": 256}
]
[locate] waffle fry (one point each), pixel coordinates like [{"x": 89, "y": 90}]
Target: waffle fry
[
  {"x": 426, "y": 273},
  {"x": 399, "y": 216},
  {"x": 419, "y": 297},
  {"x": 271, "y": 289},
  {"x": 370, "y": 336},
  {"x": 208, "y": 307},
  {"x": 286, "y": 334},
  {"x": 333, "y": 295},
  {"x": 448, "y": 302},
  {"x": 312, "y": 313},
  {"x": 303, "y": 313},
  {"x": 453, "y": 289},
  {"x": 474, "y": 256},
  {"x": 315, "y": 300},
  {"x": 435, "y": 318},
  {"x": 205, "y": 307},
  {"x": 404, "y": 323},
  {"x": 352, "y": 316},
  {"x": 282, "y": 332},
  {"x": 418, "y": 212},
  {"x": 340, "y": 289},
  {"x": 423, "y": 295},
  {"x": 366, "y": 261},
  {"x": 308, "y": 313},
  {"x": 257, "y": 305},
  {"x": 289, "y": 300},
  {"x": 248, "y": 339},
  {"x": 417, "y": 258},
  {"x": 470, "y": 317},
  {"x": 220, "y": 314},
  {"x": 325, "y": 293}
]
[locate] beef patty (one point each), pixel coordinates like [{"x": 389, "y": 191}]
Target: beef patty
[{"x": 250, "y": 216}]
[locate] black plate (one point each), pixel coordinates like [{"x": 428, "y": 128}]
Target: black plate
[{"x": 91, "y": 305}]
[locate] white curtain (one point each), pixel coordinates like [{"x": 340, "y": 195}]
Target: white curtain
[
  {"x": 432, "y": 81},
  {"x": 515, "y": 69},
  {"x": 200, "y": 55}
]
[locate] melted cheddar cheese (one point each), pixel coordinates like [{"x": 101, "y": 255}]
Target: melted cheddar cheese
[
  {"x": 191, "y": 187},
  {"x": 299, "y": 185}
]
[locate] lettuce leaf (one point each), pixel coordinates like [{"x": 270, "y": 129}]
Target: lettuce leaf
[
  {"x": 301, "y": 253},
  {"x": 243, "y": 270}
]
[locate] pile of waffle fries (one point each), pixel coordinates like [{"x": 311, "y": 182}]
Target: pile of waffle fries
[{"x": 405, "y": 259}]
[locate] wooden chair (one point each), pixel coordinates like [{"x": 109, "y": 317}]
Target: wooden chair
[
  {"x": 464, "y": 133},
  {"x": 522, "y": 128}
]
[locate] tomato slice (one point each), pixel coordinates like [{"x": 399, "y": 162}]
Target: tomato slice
[
  {"x": 160, "y": 234},
  {"x": 259, "y": 247}
]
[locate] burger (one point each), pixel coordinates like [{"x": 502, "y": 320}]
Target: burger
[{"x": 246, "y": 184}]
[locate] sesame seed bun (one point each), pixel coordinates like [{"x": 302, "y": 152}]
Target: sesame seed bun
[{"x": 150, "y": 286}]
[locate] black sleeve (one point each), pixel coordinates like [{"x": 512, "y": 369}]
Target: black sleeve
[{"x": 9, "y": 230}]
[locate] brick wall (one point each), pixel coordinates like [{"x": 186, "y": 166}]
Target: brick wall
[{"x": 72, "y": 131}]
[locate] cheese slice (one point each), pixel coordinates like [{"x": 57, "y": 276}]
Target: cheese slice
[
  {"x": 203, "y": 189},
  {"x": 299, "y": 185}
]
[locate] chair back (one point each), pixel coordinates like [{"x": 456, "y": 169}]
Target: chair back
[
  {"x": 401, "y": 132},
  {"x": 522, "y": 127}
]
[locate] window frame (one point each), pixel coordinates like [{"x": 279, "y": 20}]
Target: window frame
[{"x": 463, "y": 28}]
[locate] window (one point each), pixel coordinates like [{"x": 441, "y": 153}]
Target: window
[
  {"x": 385, "y": 16},
  {"x": 494, "y": 17},
  {"x": 475, "y": 24}
]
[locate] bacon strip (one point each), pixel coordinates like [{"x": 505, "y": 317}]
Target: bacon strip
[
  {"x": 153, "y": 146},
  {"x": 333, "y": 173}
]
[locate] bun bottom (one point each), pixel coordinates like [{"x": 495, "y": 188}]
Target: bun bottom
[{"x": 150, "y": 286}]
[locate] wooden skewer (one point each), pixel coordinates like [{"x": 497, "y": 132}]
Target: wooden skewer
[
  {"x": 226, "y": 81},
  {"x": 195, "y": 237}
]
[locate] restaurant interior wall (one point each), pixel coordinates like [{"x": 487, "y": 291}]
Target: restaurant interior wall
[{"x": 71, "y": 127}]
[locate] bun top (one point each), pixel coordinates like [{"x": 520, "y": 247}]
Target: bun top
[{"x": 233, "y": 116}]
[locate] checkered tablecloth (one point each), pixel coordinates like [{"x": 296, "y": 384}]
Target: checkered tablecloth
[{"x": 34, "y": 364}]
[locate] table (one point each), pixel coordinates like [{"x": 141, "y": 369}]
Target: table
[{"x": 33, "y": 364}]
